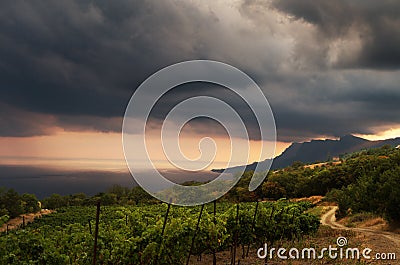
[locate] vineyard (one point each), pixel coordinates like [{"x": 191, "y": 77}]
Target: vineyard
[{"x": 154, "y": 234}]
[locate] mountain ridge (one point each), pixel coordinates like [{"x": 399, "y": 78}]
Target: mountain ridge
[{"x": 318, "y": 151}]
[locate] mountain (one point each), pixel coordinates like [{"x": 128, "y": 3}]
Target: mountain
[{"x": 319, "y": 150}]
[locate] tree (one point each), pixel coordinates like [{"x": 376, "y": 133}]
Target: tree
[
  {"x": 297, "y": 165},
  {"x": 389, "y": 192},
  {"x": 13, "y": 203},
  {"x": 108, "y": 198},
  {"x": 138, "y": 195},
  {"x": 54, "y": 201},
  {"x": 30, "y": 203},
  {"x": 119, "y": 191},
  {"x": 77, "y": 199},
  {"x": 273, "y": 190}
]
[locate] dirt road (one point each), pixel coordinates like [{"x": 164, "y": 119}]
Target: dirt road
[
  {"x": 378, "y": 240},
  {"x": 18, "y": 221},
  {"x": 329, "y": 219}
]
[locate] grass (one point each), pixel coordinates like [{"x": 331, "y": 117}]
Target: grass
[
  {"x": 318, "y": 210},
  {"x": 364, "y": 219}
]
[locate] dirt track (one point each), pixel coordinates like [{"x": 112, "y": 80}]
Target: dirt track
[
  {"x": 329, "y": 219},
  {"x": 379, "y": 241},
  {"x": 18, "y": 221}
]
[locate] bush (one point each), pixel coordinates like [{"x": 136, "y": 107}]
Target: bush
[{"x": 4, "y": 219}]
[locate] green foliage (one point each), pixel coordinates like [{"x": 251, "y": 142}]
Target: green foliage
[
  {"x": 4, "y": 219},
  {"x": 30, "y": 203},
  {"x": 115, "y": 195},
  {"x": 132, "y": 234},
  {"x": 304, "y": 181},
  {"x": 273, "y": 190},
  {"x": 376, "y": 186},
  {"x": 13, "y": 204}
]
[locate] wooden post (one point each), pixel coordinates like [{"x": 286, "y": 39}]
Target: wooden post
[
  {"x": 96, "y": 233},
  {"x": 162, "y": 232},
  {"x": 165, "y": 220},
  {"x": 215, "y": 222},
  {"x": 252, "y": 228},
  {"x": 236, "y": 235},
  {"x": 194, "y": 236}
]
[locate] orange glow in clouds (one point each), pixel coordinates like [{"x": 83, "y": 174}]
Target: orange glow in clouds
[{"x": 96, "y": 150}]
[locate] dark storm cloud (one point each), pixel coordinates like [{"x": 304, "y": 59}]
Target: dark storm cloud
[
  {"x": 204, "y": 125},
  {"x": 80, "y": 57},
  {"x": 75, "y": 64},
  {"x": 327, "y": 104},
  {"x": 16, "y": 122},
  {"x": 78, "y": 60},
  {"x": 376, "y": 24}
]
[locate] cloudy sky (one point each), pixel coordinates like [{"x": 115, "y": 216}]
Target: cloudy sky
[{"x": 69, "y": 68}]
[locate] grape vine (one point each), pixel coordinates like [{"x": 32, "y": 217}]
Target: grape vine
[{"x": 133, "y": 235}]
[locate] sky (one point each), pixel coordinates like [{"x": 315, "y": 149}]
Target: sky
[{"x": 69, "y": 68}]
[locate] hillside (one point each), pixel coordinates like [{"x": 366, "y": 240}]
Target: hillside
[{"x": 320, "y": 150}]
